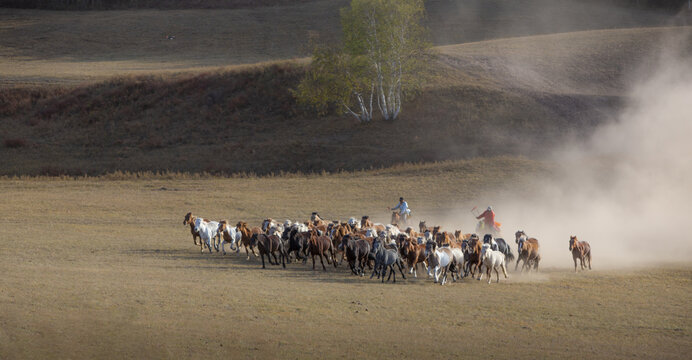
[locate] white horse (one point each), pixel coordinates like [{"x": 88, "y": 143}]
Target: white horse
[
  {"x": 439, "y": 259},
  {"x": 491, "y": 260},
  {"x": 207, "y": 231},
  {"x": 229, "y": 235},
  {"x": 392, "y": 232},
  {"x": 354, "y": 223}
]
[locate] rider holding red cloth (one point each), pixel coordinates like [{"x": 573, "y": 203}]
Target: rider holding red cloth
[{"x": 488, "y": 217}]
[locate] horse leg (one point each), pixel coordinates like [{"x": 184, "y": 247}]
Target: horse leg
[
  {"x": 497, "y": 273},
  {"x": 322, "y": 261},
  {"x": 247, "y": 252},
  {"x": 223, "y": 248},
  {"x": 575, "y": 263},
  {"x": 313, "y": 261},
  {"x": 262, "y": 254},
  {"x": 401, "y": 268},
  {"x": 589, "y": 258}
]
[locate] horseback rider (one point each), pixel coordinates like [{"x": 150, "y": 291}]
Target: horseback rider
[
  {"x": 404, "y": 211},
  {"x": 488, "y": 217}
]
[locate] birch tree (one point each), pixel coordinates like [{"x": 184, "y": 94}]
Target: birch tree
[{"x": 382, "y": 58}]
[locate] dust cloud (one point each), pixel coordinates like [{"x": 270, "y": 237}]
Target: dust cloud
[{"x": 627, "y": 189}]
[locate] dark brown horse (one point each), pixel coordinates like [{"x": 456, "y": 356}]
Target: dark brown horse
[
  {"x": 357, "y": 251},
  {"x": 528, "y": 250},
  {"x": 322, "y": 246},
  {"x": 247, "y": 236},
  {"x": 269, "y": 245},
  {"x": 472, "y": 253},
  {"x": 580, "y": 250}
]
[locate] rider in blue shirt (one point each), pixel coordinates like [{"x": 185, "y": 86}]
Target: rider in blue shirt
[{"x": 402, "y": 207}]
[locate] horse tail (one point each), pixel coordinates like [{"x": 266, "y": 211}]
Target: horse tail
[{"x": 509, "y": 256}]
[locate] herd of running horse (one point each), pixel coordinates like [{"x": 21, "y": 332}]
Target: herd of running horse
[{"x": 380, "y": 247}]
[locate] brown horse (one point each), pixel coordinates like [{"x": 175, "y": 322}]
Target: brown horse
[
  {"x": 269, "y": 245},
  {"x": 414, "y": 254},
  {"x": 461, "y": 237},
  {"x": 472, "y": 253},
  {"x": 322, "y": 246},
  {"x": 337, "y": 234},
  {"x": 528, "y": 251},
  {"x": 246, "y": 237},
  {"x": 365, "y": 222},
  {"x": 580, "y": 250},
  {"x": 443, "y": 238},
  {"x": 423, "y": 228},
  {"x": 398, "y": 220},
  {"x": 190, "y": 220}
]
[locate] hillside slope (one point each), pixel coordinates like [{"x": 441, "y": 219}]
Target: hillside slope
[
  {"x": 41, "y": 47},
  {"x": 513, "y": 96}
]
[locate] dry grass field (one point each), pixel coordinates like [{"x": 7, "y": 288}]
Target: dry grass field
[{"x": 104, "y": 268}]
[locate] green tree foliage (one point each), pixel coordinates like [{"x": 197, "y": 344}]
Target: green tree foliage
[{"x": 381, "y": 60}]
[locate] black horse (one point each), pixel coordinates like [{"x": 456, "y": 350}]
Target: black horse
[
  {"x": 296, "y": 242},
  {"x": 499, "y": 244}
]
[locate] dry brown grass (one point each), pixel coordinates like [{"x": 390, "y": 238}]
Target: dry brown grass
[{"x": 104, "y": 268}]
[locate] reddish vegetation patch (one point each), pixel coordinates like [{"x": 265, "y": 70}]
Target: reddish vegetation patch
[{"x": 14, "y": 143}]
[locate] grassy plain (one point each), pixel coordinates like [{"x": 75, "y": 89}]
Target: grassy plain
[{"x": 104, "y": 268}]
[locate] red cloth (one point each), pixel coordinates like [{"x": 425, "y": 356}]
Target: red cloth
[{"x": 488, "y": 218}]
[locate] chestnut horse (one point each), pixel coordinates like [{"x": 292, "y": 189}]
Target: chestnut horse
[
  {"x": 580, "y": 250},
  {"x": 472, "y": 254},
  {"x": 414, "y": 254},
  {"x": 247, "y": 236},
  {"x": 322, "y": 246},
  {"x": 528, "y": 251}
]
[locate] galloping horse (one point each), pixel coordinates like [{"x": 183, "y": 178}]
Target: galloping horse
[
  {"x": 528, "y": 251},
  {"x": 322, "y": 246},
  {"x": 492, "y": 259},
  {"x": 500, "y": 245},
  {"x": 398, "y": 220},
  {"x": 268, "y": 245},
  {"x": 190, "y": 220},
  {"x": 229, "y": 235},
  {"x": 473, "y": 255},
  {"x": 385, "y": 258},
  {"x": 440, "y": 260},
  {"x": 414, "y": 254},
  {"x": 580, "y": 250},
  {"x": 246, "y": 236},
  {"x": 357, "y": 251}
]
